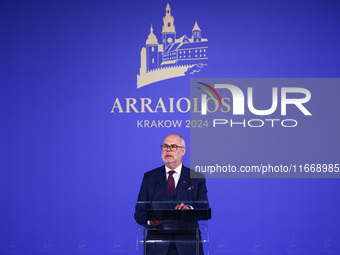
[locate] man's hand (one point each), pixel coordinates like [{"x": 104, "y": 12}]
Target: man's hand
[
  {"x": 182, "y": 207},
  {"x": 155, "y": 222}
]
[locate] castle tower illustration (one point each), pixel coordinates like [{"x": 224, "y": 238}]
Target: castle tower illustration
[
  {"x": 151, "y": 51},
  {"x": 168, "y": 30},
  {"x": 196, "y": 33},
  {"x": 172, "y": 57}
]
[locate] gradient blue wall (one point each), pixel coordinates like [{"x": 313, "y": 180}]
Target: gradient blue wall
[{"x": 71, "y": 170}]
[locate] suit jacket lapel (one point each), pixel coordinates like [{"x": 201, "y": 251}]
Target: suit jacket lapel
[
  {"x": 182, "y": 183},
  {"x": 164, "y": 184}
]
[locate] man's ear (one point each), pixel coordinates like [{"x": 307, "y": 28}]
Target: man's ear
[{"x": 183, "y": 151}]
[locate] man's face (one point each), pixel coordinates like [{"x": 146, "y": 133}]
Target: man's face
[{"x": 173, "y": 159}]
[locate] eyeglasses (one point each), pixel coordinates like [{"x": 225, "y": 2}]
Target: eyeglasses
[{"x": 172, "y": 147}]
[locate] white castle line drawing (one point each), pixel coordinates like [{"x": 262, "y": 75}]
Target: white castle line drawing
[{"x": 174, "y": 57}]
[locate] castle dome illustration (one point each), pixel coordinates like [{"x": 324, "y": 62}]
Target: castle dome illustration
[
  {"x": 152, "y": 39},
  {"x": 173, "y": 57}
]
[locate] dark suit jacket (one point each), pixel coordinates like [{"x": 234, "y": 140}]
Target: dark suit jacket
[{"x": 154, "y": 187}]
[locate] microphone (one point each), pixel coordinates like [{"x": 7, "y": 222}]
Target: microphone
[
  {"x": 192, "y": 192},
  {"x": 154, "y": 191}
]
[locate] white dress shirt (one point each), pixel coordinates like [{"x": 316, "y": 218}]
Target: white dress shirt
[{"x": 176, "y": 175}]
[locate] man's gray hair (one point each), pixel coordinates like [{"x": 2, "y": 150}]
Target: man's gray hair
[{"x": 182, "y": 141}]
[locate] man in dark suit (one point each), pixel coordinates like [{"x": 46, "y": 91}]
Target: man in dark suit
[{"x": 171, "y": 182}]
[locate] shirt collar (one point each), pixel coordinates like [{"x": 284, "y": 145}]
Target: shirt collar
[{"x": 177, "y": 169}]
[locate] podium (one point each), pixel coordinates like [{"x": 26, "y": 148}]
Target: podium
[{"x": 184, "y": 230}]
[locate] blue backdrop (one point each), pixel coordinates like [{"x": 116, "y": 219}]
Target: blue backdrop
[{"x": 71, "y": 168}]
